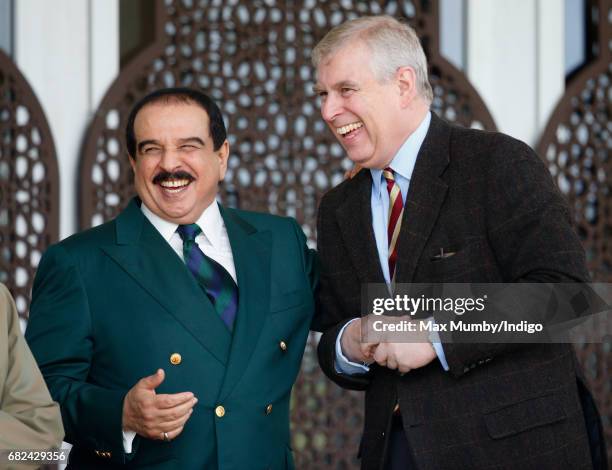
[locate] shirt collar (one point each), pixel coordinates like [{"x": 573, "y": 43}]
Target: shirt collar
[
  {"x": 210, "y": 222},
  {"x": 404, "y": 160}
]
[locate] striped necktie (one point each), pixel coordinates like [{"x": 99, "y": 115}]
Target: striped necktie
[
  {"x": 396, "y": 211},
  {"x": 214, "y": 278}
]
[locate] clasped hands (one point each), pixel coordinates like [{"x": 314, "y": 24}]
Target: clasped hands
[
  {"x": 403, "y": 356},
  {"x": 156, "y": 416}
]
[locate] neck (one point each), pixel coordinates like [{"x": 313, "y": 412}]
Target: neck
[
  {"x": 412, "y": 118},
  {"x": 414, "y": 115}
]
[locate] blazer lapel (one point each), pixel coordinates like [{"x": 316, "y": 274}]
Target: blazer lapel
[
  {"x": 355, "y": 221},
  {"x": 251, "y": 250},
  {"x": 142, "y": 252},
  {"x": 425, "y": 197}
]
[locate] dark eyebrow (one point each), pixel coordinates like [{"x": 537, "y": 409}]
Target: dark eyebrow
[
  {"x": 146, "y": 142},
  {"x": 187, "y": 140},
  {"x": 316, "y": 89}
]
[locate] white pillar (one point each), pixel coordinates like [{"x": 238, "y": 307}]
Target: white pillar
[
  {"x": 551, "y": 58},
  {"x": 68, "y": 51},
  {"x": 104, "y": 51},
  {"x": 515, "y": 59}
]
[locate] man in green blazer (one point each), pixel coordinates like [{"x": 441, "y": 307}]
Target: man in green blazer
[{"x": 171, "y": 336}]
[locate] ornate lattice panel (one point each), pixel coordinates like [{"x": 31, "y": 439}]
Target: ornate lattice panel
[
  {"x": 253, "y": 57},
  {"x": 577, "y": 146},
  {"x": 29, "y": 184}
]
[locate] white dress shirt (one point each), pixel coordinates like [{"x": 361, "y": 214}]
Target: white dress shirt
[{"x": 213, "y": 241}]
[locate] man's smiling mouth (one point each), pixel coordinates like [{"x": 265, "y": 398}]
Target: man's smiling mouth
[
  {"x": 173, "y": 182},
  {"x": 347, "y": 129}
]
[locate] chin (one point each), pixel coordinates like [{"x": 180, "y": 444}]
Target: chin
[{"x": 174, "y": 214}]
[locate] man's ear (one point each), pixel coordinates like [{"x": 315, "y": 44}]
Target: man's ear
[
  {"x": 406, "y": 80},
  {"x": 223, "y": 155}
]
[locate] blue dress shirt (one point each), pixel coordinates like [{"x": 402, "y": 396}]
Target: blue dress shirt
[{"x": 402, "y": 164}]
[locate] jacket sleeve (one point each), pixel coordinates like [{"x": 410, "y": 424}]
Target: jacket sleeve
[
  {"x": 310, "y": 262},
  {"x": 530, "y": 231},
  {"x": 331, "y": 317},
  {"x": 29, "y": 419},
  {"x": 61, "y": 338}
]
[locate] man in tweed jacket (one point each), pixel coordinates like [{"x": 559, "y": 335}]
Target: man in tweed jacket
[{"x": 479, "y": 207}]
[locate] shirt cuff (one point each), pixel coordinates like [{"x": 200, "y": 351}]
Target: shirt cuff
[
  {"x": 128, "y": 439},
  {"x": 434, "y": 339},
  {"x": 342, "y": 364}
]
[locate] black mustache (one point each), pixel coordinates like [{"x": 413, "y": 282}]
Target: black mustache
[{"x": 175, "y": 175}]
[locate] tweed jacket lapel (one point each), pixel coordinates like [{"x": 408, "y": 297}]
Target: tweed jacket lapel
[
  {"x": 355, "y": 221},
  {"x": 425, "y": 197}
]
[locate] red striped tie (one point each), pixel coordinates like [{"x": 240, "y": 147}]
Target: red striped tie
[{"x": 396, "y": 211}]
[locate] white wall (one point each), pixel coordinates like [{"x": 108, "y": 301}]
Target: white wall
[
  {"x": 452, "y": 31},
  {"x": 68, "y": 51},
  {"x": 6, "y": 26},
  {"x": 515, "y": 59}
]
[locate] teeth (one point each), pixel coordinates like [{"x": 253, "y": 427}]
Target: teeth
[
  {"x": 349, "y": 127},
  {"x": 174, "y": 183}
]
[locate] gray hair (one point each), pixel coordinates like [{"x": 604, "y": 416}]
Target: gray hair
[{"x": 393, "y": 45}]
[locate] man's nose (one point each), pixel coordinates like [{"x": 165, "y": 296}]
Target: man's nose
[
  {"x": 170, "y": 159},
  {"x": 330, "y": 108}
]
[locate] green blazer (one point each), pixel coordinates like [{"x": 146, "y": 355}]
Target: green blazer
[{"x": 114, "y": 303}]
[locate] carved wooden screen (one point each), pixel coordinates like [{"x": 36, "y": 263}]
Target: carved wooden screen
[
  {"x": 253, "y": 57},
  {"x": 577, "y": 146},
  {"x": 29, "y": 184}
]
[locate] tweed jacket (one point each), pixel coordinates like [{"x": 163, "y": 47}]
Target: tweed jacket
[{"x": 488, "y": 199}]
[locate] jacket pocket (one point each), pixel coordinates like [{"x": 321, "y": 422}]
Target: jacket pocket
[{"x": 523, "y": 416}]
